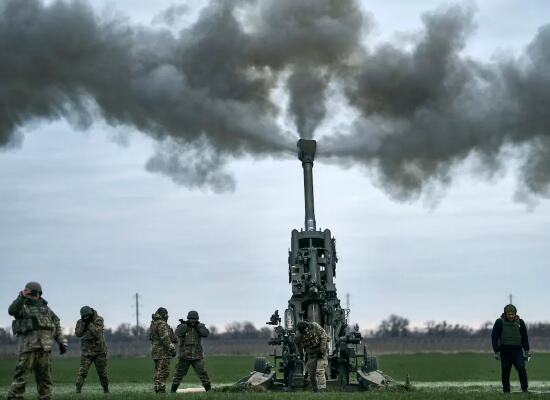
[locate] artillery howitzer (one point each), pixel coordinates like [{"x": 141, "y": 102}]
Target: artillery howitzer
[{"x": 311, "y": 271}]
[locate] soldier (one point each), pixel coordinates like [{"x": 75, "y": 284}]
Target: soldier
[
  {"x": 36, "y": 327},
  {"x": 89, "y": 329},
  {"x": 509, "y": 339},
  {"x": 163, "y": 347},
  {"x": 313, "y": 340},
  {"x": 189, "y": 334}
]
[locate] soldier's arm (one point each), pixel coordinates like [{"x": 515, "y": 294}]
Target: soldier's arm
[
  {"x": 96, "y": 327},
  {"x": 203, "y": 330},
  {"x": 173, "y": 337},
  {"x": 164, "y": 334},
  {"x": 524, "y": 336},
  {"x": 495, "y": 335},
  {"x": 58, "y": 332},
  {"x": 180, "y": 330},
  {"x": 80, "y": 328},
  {"x": 17, "y": 307}
]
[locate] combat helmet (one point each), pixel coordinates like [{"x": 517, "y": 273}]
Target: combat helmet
[
  {"x": 302, "y": 326},
  {"x": 34, "y": 287},
  {"x": 163, "y": 312},
  {"x": 86, "y": 310},
  {"x": 193, "y": 315},
  {"x": 510, "y": 308}
]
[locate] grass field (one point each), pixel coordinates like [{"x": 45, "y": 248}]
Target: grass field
[{"x": 436, "y": 376}]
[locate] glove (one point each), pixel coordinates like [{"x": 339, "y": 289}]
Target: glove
[
  {"x": 497, "y": 356},
  {"x": 172, "y": 351},
  {"x": 527, "y": 356},
  {"x": 62, "y": 348}
]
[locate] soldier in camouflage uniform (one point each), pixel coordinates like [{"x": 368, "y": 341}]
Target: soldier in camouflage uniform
[
  {"x": 36, "y": 327},
  {"x": 89, "y": 329},
  {"x": 189, "y": 334},
  {"x": 313, "y": 340},
  {"x": 163, "y": 347}
]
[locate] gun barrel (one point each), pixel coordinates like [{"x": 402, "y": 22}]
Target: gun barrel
[{"x": 306, "y": 154}]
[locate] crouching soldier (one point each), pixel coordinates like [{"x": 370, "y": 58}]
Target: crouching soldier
[
  {"x": 36, "y": 327},
  {"x": 313, "y": 340},
  {"x": 89, "y": 329},
  {"x": 189, "y": 334},
  {"x": 509, "y": 339},
  {"x": 163, "y": 348}
]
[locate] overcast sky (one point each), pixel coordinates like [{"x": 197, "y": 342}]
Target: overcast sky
[{"x": 80, "y": 214}]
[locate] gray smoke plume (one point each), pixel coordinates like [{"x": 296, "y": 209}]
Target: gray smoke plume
[
  {"x": 207, "y": 94},
  {"x": 426, "y": 110},
  {"x": 207, "y": 88},
  {"x": 307, "y": 88}
]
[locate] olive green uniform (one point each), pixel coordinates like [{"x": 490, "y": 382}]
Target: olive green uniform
[
  {"x": 314, "y": 343},
  {"x": 190, "y": 352},
  {"x": 36, "y": 327},
  {"x": 163, "y": 349},
  {"x": 93, "y": 350}
]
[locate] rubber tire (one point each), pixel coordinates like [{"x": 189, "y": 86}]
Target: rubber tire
[
  {"x": 260, "y": 365},
  {"x": 371, "y": 364}
]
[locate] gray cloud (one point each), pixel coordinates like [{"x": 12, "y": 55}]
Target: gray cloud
[
  {"x": 424, "y": 111},
  {"x": 207, "y": 94}
]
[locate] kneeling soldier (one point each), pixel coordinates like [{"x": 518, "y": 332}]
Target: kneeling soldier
[
  {"x": 36, "y": 327},
  {"x": 163, "y": 347},
  {"x": 92, "y": 346},
  {"x": 189, "y": 334},
  {"x": 313, "y": 340}
]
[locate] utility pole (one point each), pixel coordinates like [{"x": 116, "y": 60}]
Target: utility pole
[
  {"x": 137, "y": 314},
  {"x": 511, "y": 297}
]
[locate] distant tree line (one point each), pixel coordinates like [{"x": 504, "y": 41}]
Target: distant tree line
[
  {"x": 397, "y": 326},
  {"x": 392, "y": 327}
]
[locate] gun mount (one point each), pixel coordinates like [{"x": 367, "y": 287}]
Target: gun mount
[{"x": 312, "y": 263}]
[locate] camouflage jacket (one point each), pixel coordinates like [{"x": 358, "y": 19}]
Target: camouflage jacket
[
  {"x": 190, "y": 340},
  {"x": 92, "y": 339},
  {"x": 314, "y": 341},
  {"x": 162, "y": 337},
  {"x": 36, "y": 326}
]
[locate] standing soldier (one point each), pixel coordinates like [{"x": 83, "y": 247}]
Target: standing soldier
[
  {"x": 189, "y": 334},
  {"x": 163, "y": 347},
  {"x": 89, "y": 329},
  {"x": 510, "y": 340},
  {"x": 313, "y": 340},
  {"x": 36, "y": 327}
]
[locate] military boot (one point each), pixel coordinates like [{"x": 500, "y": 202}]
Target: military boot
[
  {"x": 207, "y": 386},
  {"x": 78, "y": 389},
  {"x": 106, "y": 389},
  {"x": 174, "y": 388}
]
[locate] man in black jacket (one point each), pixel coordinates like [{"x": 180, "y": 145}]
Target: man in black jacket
[{"x": 510, "y": 341}]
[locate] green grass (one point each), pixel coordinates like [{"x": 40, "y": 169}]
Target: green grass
[{"x": 131, "y": 377}]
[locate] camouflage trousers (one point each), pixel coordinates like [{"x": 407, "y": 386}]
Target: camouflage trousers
[
  {"x": 183, "y": 367},
  {"x": 316, "y": 367},
  {"x": 162, "y": 370},
  {"x": 38, "y": 361},
  {"x": 100, "y": 361}
]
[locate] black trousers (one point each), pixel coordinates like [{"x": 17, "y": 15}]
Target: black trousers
[{"x": 509, "y": 357}]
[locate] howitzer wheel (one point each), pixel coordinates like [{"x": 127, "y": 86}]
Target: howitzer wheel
[
  {"x": 261, "y": 365},
  {"x": 371, "y": 364}
]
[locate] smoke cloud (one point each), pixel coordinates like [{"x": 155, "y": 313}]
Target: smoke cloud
[
  {"x": 424, "y": 111},
  {"x": 208, "y": 94}
]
